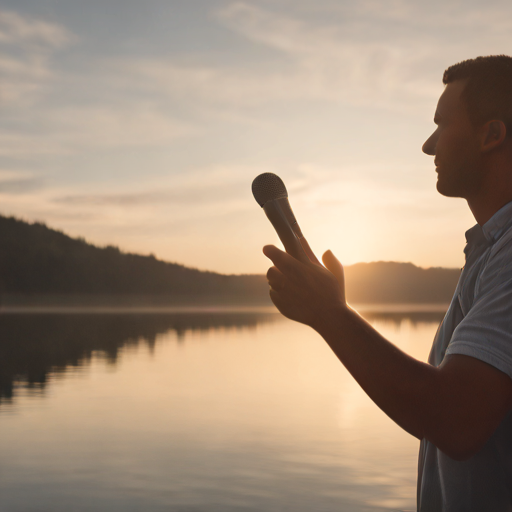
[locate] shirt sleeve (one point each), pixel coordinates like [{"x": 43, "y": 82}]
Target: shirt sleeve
[{"x": 485, "y": 333}]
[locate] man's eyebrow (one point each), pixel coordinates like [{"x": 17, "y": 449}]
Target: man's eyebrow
[{"x": 437, "y": 117}]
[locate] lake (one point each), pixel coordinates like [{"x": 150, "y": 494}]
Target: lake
[{"x": 212, "y": 411}]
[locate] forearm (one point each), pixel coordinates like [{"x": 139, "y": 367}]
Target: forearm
[{"x": 409, "y": 391}]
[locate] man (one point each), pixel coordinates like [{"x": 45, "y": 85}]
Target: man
[{"x": 459, "y": 404}]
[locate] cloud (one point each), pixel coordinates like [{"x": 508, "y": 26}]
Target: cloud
[
  {"x": 342, "y": 63},
  {"x": 139, "y": 125},
  {"x": 32, "y": 125},
  {"x": 151, "y": 202},
  {"x": 18, "y": 182},
  {"x": 26, "y": 46},
  {"x": 200, "y": 189},
  {"x": 374, "y": 52},
  {"x": 20, "y": 186},
  {"x": 21, "y": 78},
  {"x": 324, "y": 62},
  {"x": 68, "y": 130},
  {"x": 340, "y": 59},
  {"x": 450, "y": 17},
  {"x": 16, "y": 29}
]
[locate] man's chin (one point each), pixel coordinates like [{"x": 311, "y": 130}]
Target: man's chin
[{"x": 446, "y": 190}]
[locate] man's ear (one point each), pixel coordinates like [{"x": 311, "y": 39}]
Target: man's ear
[{"x": 493, "y": 134}]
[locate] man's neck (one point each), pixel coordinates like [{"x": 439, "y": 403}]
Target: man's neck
[
  {"x": 484, "y": 210},
  {"x": 495, "y": 188}
]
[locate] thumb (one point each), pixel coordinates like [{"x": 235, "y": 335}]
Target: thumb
[{"x": 335, "y": 267}]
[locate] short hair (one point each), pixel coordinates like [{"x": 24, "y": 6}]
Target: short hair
[{"x": 488, "y": 90}]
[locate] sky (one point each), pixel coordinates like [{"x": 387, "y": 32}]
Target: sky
[{"x": 142, "y": 124}]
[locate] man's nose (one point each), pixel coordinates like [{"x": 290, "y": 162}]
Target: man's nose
[{"x": 429, "y": 146}]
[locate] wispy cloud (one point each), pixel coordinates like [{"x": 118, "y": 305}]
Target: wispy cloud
[
  {"x": 70, "y": 130},
  {"x": 450, "y": 17},
  {"x": 195, "y": 192},
  {"x": 333, "y": 61},
  {"x": 320, "y": 60},
  {"x": 18, "y": 182},
  {"x": 26, "y": 46},
  {"x": 15, "y": 29}
]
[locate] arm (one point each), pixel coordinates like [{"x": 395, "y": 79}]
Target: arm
[{"x": 456, "y": 406}]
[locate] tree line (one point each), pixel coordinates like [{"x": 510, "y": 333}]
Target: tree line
[{"x": 38, "y": 260}]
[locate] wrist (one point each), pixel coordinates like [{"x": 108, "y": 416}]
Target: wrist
[{"x": 331, "y": 320}]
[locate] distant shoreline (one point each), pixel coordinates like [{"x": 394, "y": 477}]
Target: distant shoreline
[
  {"x": 402, "y": 308},
  {"x": 201, "y": 308}
]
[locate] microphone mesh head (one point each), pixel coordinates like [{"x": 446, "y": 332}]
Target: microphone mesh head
[{"x": 267, "y": 187}]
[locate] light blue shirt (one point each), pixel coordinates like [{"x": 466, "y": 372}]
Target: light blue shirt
[{"x": 478, "y": 323}]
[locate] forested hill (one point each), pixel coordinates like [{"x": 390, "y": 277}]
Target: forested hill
[
  {"x": 391, "y": 282},
  {"x": 36, "y": 261}
]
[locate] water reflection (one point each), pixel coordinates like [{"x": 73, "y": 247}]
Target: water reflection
[
  {"x": 396, "y": 314},
  {"x": 32, "y": 345},
  {"x": 205, "y": 411},
  {"x": 415, "y": 318}
]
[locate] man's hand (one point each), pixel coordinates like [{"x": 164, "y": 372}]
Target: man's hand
[
  {"x": 456, "y": 406},
  {"x": 306, "y": 293}
]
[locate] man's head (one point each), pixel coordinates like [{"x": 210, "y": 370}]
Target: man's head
[
  {"x": 474, "y": 118},
  {"x": 488, "y": 91}
]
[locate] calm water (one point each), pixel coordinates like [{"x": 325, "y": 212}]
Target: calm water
[{"x": 195, "y": 412}]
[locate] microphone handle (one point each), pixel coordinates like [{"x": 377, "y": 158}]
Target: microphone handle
[{"x": 286, "y": 227}]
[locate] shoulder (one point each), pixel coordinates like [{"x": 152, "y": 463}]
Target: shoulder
[{"x": 496, "y": 271}]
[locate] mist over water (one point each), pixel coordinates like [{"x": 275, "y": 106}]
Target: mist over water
[{"x": 217, "y": 411}]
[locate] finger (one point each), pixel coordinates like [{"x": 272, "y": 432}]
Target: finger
[
  {"x": 279, "y": 303},
  {"x": 276, "y": 279},
  {"x": 287, "y": 264},
  {"x": 274, "y": 297},
  {"x": 334, "y": 266},
  {"x": 309, "y": 252}
]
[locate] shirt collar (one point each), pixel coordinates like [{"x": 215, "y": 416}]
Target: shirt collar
[
  {"x": 498, "y": 223},
  {"x": 492, "y": 230},
  {"x": 474, "y": 237}
]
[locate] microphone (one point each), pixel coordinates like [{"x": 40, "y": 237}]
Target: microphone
[{"x": 270, "y": 193}]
